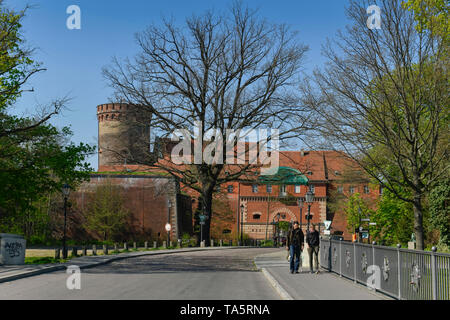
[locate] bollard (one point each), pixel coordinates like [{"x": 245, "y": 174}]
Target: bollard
[
  {"x": 116, "y": 247},
  {"x": 231, "y": 242},
  {"x": 94, "y": 250},
  {"x": 74, "y": 251},
  {"x": 105, "y": 249},
  {"x": 134, "y": 246},
  {"x": 146, "y": 245},
  {"x": 212, "y": 243},
  {"x": 165, "y": 244},
  {"x": 125, "y": 246},
  {"x": 155, "y": 244},
  {"x": 202, "y": 244},
  {"x": 57, "y": 254},
  {"x": 179, "y": 243},
  {"x": 84, "y": 251},
  {"x": 221, "y": 243}
]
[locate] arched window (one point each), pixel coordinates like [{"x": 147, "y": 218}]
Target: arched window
[{"x": 230, "y": 189}]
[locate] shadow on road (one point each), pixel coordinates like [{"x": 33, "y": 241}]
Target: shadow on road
[{"x": 177, "y": 264}]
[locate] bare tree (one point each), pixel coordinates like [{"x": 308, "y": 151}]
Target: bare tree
[
  {"x": 226, "y": 71},
  {"x": 383, "y": 100}
]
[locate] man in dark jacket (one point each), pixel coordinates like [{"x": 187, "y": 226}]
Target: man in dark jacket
[
  {"x": 295, "y": 242},
  {"x": 312, "y": 239}
]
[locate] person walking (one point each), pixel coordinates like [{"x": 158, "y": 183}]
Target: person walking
[
  {"x": 312, "y": 239},
  {"x": 295, "y": 242}
]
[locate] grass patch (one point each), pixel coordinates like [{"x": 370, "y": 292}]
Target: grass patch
[{"x": 43, "y": 260}]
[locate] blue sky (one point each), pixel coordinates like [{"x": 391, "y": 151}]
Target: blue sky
[{"x": 74, "y": 58}]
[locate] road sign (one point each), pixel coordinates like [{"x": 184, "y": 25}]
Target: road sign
[
  {"x": 202, "y": 217},
  {"x": 202, "y": 222},
  {"x": 365, "y": 235},
  {"x": 327, "y": 224},
  {"x": 326, "y": 231},
  {"x": 372, "y": 224},
  {"x": 168, "y": 227},
  {"x": 361, "y": 229},
  {"x": 366, "y": 220}
]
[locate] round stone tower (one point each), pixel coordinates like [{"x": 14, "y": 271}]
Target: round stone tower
[{"x": 123, "y": 136}]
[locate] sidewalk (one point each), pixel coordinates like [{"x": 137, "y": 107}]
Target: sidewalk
[
  {"x": 10, "y": 273},
  {"x": 307, "y": 286}
]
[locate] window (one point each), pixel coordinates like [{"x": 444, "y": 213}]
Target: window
[
  {"x": 351, "y": 189},
  {"x": 255, "y": 188},
  {"x": 381, "y": 190},
  {"x": 297, "y": 189},
  {"x": 269, "y": 188},
  {"x": 340, "y": 189},
  {"x": 257, "y": 216},
  {"x": 311, "y": 188},
  {"x": 366, "y": 189},
  {"x": 218, "y": 188},
  {"x": 230, "y": 189},
  {"x": 283, "y": 190}
]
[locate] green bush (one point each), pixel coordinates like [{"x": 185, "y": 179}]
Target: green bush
[{"x": 267, "y": 243}]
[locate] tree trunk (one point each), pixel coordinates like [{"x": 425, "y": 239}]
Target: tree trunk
[
  {"x": 418, "y": 221},
  {"x": 207, "y": 210}
]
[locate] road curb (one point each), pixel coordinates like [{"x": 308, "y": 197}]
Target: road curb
[
  {"x": 59, "y": 267},
  {"x": 277, "y": 286},
  {"x": 32, "y": 273}
]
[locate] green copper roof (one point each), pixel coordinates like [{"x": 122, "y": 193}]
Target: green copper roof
[{"x": 283, "y": 175}]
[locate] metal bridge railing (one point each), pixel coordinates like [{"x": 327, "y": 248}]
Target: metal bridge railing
[{"x": 400, "y": 273}]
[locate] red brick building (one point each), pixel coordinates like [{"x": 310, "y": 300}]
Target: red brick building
[
  {"x": 262, "y": 203},
  {"x": 327, "y": 172}
]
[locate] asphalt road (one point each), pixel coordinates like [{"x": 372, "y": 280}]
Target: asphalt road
[{"x": 202, "y": 275}]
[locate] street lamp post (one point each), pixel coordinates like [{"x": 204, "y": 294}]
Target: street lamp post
[
  {"x": 168, "y": 226},
  {"x": 65, "y": 191},
  {"x": 275, "y": 234},
  {"x": 309, "y": 199},
  {"x": 242, "y": 224},
  {"x": 300, "y": 205}
]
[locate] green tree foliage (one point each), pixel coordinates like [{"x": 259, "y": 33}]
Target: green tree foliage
[
  {"x": 431, "y": 15},
  {"x": 440, "y": 211},
  {"x": 36, "y": 158},
  {"x": 394, "y": 220},
  {"x": 16, "y": 65},
  {"x": 284, "y": 225},
  {"x": 357, "y": 208},
  {"x": 105, "y": 212}
]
